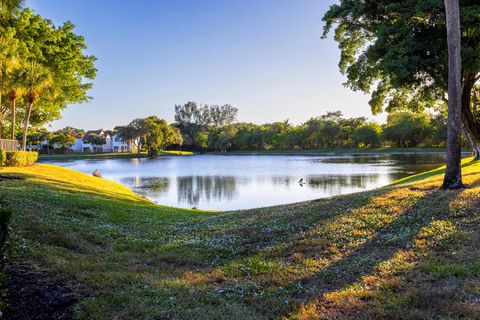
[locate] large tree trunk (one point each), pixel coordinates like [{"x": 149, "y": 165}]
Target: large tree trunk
[
  {"x": 1, "y": 122},
  {"x": 1, "y": 116},
  {"x": 470, "y": 125},
  {"x": 453, "y": 174},
  {"x": 26, "y": 121},
  {"x": 13, "y": 98}
]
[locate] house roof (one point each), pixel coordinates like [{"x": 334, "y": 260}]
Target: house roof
[
  {"x": 98, "y": 132},
  {"x": 89, "y": 133}
]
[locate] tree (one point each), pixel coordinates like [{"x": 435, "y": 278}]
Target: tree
[
  {"x": 8, "y": 61},
  {"x": 396, "y": 50},
  {"x": 63, "y": 140},
  {"x": 159, "y": 134},
  {"x": 186, "y": 117},
  {"x": 60, "y": 53},
  {"x": 367, "y": 135},
  {"x": 294, "y": 137},
  {"x": 201, "y": 140},
  {"x": 95, "y": 140},
  {"x": 37, "y": 82},
  {"x": 406, "y": 129},
  {"x": 191, "y": 119},
  {"x": 9, "y": 9},
  {"x": 72, "y": 131},
  {"x": 177, "y": 137},
  {"x": 133, "y": 133},
  {"x": 152, "y": 132},
  {"x": 37, "y": 136},
  {"x": 438, "y": 123},
  {"x": 222, "y": 115},
  {"x": 453, "y": 173}
]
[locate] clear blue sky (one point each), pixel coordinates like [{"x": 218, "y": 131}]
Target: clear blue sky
[{"x": 264, "y": 57}]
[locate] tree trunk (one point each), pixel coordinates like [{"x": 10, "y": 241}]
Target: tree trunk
[
  {"x": 1, "y": 116},
  {"x": 453, "y": 174},
  {"x": 470, "y": 125},
  {"x": 13, "y": 98},
  {"x": 1, "y": 123},
  {"x": 25, "y": 123}
]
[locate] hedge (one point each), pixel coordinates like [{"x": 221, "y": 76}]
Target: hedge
[
  {"x": 3, "y": 157},
  {"x": 18, "y": 158}
]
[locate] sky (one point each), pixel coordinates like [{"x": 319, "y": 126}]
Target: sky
[{"x": 266, "y": 58}]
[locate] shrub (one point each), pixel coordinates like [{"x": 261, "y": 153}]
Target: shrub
[
  {"x": 3, "y": 157},
  {"x": 20, "y": 158}
]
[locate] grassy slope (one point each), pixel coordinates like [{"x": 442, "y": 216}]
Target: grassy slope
[{"x": 403, "y": 251}]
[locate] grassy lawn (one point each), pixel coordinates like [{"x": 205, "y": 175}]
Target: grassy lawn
[
  {"x": 329, "y": 151},
  {"x": 406, "y": 251},
  {"x": 111, "y": 155}
]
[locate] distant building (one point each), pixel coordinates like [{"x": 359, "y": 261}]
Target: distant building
[
  {"x": 82, "y": 143},
  {"x": 112, "y": 143}
]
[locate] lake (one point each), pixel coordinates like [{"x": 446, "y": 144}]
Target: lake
[{"x": 230, "y": 182}]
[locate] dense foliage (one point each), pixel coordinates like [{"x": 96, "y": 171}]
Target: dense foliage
[
  {"x": 17, "y": 158},
  {"x": 152, "y": 133},
  {"x": 397, "y": 51},
  {"x": 43, "y": 68},
  {"x": 331, "y": 130}
]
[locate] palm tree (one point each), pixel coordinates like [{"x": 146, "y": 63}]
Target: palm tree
[
  {"x": 9, "y": 8},
  {"x": 14, "y": 93},
  {"x": 36, "y": 82},
  {"x": 8, "y": 61},
  {"x": 8, "y": 58},
  {"x": 453, "y": 174}
]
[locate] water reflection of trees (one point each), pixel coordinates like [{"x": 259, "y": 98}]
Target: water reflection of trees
[
  {"x": 428, "y": 160},
  {"x": 329, "y": 183},
  {"x": 282, "y": 180},
  {"x": 193, "y": 188},
  {"x": 145, "y": 185}
]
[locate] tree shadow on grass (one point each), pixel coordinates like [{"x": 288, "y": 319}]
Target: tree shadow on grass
[
  {"x": 226, "y": 237},
  {"x": 364, "y": 260},
  {"x": 206, "y": 244}
]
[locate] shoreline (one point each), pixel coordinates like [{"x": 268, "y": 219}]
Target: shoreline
[
  {"x": 257, "y": 205},
  {"x": 109, "y": 155},
  {"x": 341, "y": 151},
  {"x": 319, "y": 152}
]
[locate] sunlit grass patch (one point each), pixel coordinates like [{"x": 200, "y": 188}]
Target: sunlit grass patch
[{"x": 404, "y": 251}]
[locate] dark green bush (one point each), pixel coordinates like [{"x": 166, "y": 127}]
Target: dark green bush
[
  {"x": 3, "y": 156},
  {"x": 20, "y": 158}
]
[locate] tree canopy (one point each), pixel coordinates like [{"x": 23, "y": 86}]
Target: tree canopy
[
  {"x": 44, "y": 67},
  {"x": 397, "y": 50}
]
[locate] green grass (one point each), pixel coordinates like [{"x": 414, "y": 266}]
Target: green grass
[
  {"x": 110, "y": 155},
  {"x": 403, "y": 251}
]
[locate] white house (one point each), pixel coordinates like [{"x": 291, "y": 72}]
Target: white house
[
  {"x": 118, "y": 145},
  {"x": 112, "y": 144},
  {"x": 82, "y": 144},
  {"x": 78, "y": 146}
]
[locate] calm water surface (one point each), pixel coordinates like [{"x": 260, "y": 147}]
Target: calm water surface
[{"x": 240, "y": 182}]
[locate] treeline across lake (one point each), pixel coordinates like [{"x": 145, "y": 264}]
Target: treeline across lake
[
  {"x": 213, "y": 128},
  {"x": 205, "y": 128}
]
